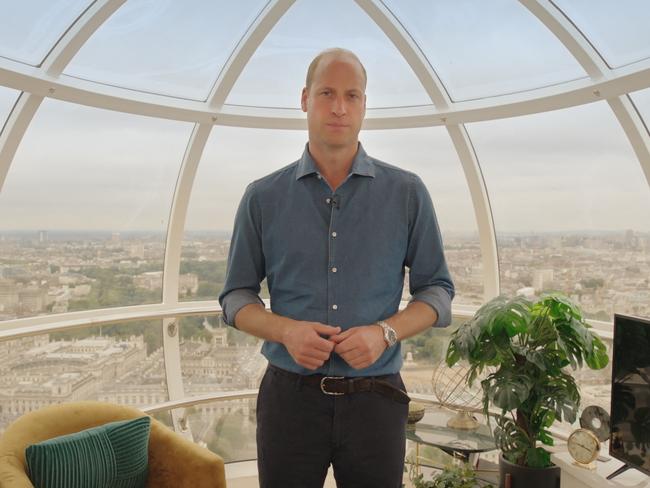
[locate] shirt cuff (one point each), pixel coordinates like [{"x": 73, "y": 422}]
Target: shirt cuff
[
  {"x": 437, "y": 298},
  {"x": 234, "y": 301}
]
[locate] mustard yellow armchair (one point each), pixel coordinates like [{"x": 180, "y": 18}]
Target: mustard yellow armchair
[{"x": 173, "y": 460}]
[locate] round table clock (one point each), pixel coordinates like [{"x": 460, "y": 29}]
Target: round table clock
[{"x": 584, "y": 447}]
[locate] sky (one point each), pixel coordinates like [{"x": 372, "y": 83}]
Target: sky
[{"x": 79, "y": 167}]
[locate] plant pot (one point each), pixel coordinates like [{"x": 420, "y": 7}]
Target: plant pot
[{"x": 525, "y": 477}]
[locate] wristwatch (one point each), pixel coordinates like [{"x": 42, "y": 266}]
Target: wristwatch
[{"x": 390, "y": 336}]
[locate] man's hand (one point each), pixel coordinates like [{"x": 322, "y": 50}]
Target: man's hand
[
  {"x": 304, "y": 342},
  {"x": 360, "y": 346}
]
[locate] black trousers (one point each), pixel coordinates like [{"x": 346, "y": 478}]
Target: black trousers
[{"x": 301, "y": 431}]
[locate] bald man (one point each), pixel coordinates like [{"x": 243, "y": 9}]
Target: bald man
[{"x": 333, "y": 233}]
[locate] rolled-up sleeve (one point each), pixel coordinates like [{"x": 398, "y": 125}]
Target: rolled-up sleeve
[
  {"x": 246, "y": 265},
  {"x": 429, "y": 278}
]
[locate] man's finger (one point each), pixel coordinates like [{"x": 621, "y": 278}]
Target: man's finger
[
  {"x": 353, "y": 356},
  {"x": 342, "y": 336},
  {"x": 317, "y": 354},
  {"x": 345, "y": 347},
  {"x": 326, "y": 329},
  {"x": 311, "y": 366},
  {"x": 322, "y": 344},
  {"x": 309, "y": 362}
]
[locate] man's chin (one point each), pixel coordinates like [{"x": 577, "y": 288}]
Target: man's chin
[{"x": 340, "y": 143}]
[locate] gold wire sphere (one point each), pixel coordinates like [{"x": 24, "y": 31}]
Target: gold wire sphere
[{"x": 452, "y": 391}]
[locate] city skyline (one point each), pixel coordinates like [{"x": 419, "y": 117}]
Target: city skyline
[{"x": 42, "y": 272}]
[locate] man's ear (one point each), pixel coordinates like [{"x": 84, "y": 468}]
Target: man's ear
[{"x": 303, "y": 100}]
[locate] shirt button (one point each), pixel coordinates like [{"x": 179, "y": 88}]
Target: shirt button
[
  {"x": 319, "y": 177},
  {"x": 328, "y": 200},
  {"x": 333, "y": 234},
  {"x": 335, "y": 307},
  {"x": 334, "y": 270}
]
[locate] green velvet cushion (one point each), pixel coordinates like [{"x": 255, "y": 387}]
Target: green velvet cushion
[{"x": 112, "y": 455}]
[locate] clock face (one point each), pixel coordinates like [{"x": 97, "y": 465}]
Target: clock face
[{"x": 583, "y": 446}]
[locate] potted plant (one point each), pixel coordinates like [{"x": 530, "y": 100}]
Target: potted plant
[
  {"x": 530, "y": 344},
  {"x": 451, "y": 476}
]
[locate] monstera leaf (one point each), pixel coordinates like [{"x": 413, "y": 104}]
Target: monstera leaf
[{"x": 530, "y": 344}]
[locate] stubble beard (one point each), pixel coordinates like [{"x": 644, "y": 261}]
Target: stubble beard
[{"x": 343, "y": 141}]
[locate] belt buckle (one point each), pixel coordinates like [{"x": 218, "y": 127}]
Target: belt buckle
[{"x": 322, "y": 385}]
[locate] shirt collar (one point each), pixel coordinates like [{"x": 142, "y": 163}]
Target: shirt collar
[{"x": 361, "y": 165}]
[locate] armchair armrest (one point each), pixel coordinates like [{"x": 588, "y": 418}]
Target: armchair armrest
[{"x": 175, "y": 462}]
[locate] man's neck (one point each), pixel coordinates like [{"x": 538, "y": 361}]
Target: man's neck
[{"x": 333, "y": 163}]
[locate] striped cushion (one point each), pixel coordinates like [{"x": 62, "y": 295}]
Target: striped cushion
[{"x": 112, "y": 455}]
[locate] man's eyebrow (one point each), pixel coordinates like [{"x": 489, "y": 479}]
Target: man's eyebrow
[{"x": 331, "y": 88}]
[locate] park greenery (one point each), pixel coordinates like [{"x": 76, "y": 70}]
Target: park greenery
[{"x": 114, "y": 287}]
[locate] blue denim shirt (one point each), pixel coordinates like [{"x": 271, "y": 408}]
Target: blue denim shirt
[{"x": 337, "y": 257}]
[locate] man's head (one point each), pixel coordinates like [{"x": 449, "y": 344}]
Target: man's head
[
  {"x": 334, "y": 52},
  {"x": 334, "y": 98}
]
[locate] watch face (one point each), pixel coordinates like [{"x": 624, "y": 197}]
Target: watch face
[
  {"x": 392, "y": 337},
  {"x": 389, "y": 333},
  {"x": 583, "y": 446}
]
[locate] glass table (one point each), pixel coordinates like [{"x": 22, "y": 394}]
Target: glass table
[{"x": 465, "y": 445}]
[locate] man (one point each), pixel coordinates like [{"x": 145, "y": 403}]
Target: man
[{"x": 332, "y": 233}]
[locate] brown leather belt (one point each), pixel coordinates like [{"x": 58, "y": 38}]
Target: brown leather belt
[{"x": 340, "y": 385}]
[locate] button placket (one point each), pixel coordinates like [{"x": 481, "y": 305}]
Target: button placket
[{"x": 333, "y": 306}]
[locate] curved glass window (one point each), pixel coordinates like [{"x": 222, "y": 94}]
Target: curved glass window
[
  {"x": 275, "y": 75},
  {"x": 29, "y": 30},
  {"x": 571, "y": 208},
  {"x": 84, "y": 209},
  {"x": 219, "y": 357},
  {"x": 120, "y": 363},
  {"x": 429, "y": 152},
  {"x": 229, "y": 163},
  {"x": 618, "y": 30},
  {"x": 215, "y": 357},
  {"x": 481, "y": 49},
  {"x": 227, "y": 428},
  {"x": 425, "y": 356},
  {"x": 166, "y": 47},
  {"x": 8, "y": 98}
]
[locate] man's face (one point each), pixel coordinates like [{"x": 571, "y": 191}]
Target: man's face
[{"x": 335, "y": 102}]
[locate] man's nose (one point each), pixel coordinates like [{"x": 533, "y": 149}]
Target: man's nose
[{"x": 338, "y": 106}]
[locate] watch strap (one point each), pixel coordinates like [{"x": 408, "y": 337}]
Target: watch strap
[{"x": 390, "y": 336}]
